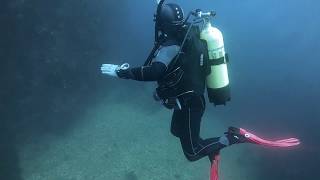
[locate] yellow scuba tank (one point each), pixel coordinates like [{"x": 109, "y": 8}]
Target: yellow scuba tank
[{"x": 217, "y": 80}]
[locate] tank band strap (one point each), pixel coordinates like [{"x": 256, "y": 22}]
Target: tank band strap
[{"x": 215, "y": 62}]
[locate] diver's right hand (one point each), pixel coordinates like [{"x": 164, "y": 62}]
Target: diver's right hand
[
  {"x": 121, "y": 71},
  {"x": 109, "y": 69}
]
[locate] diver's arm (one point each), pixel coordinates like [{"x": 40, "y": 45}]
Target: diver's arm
[
  {"x": 156, "y": 70},
  {"x": 152, "y": 72}
]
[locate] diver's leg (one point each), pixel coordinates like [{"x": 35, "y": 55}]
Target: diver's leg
[
  {"x": 193, "y": 146},
  {"x": 177, "y": 123},
  {"x": 185, "y": 124}
]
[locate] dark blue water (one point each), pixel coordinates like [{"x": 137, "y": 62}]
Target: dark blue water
[{"x": 51, "y": 52}]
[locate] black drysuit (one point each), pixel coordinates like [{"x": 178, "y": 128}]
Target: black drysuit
[{"x": 187, "y": 120}]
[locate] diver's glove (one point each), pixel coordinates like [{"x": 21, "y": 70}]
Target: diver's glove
[{"x": 121, "y": 71}]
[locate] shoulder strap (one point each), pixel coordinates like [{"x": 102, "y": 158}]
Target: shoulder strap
[
  {"x": 173, "y": 63},
  {"x": 152, "y": 53}
]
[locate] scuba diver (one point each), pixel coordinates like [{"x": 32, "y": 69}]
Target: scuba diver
[
  {"x": 181, "y": 79},
  {"x": 185, "y": 61}
]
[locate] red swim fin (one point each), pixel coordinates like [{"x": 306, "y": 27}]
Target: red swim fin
[
  {"x": 239, "y": 135},
  {"x": 261, "y": 141},
  {"x": 214, "y": 171}
]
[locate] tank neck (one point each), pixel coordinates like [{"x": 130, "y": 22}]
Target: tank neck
[{"x": 207, "y": 23}]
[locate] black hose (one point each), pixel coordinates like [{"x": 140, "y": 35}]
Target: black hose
[{"x": 157, "y": 39}]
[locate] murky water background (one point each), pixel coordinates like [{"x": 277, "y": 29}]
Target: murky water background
[{"x": 62, "y": 120}]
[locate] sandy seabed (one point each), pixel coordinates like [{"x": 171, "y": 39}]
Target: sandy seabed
[{"x": 125, "y": 142}]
